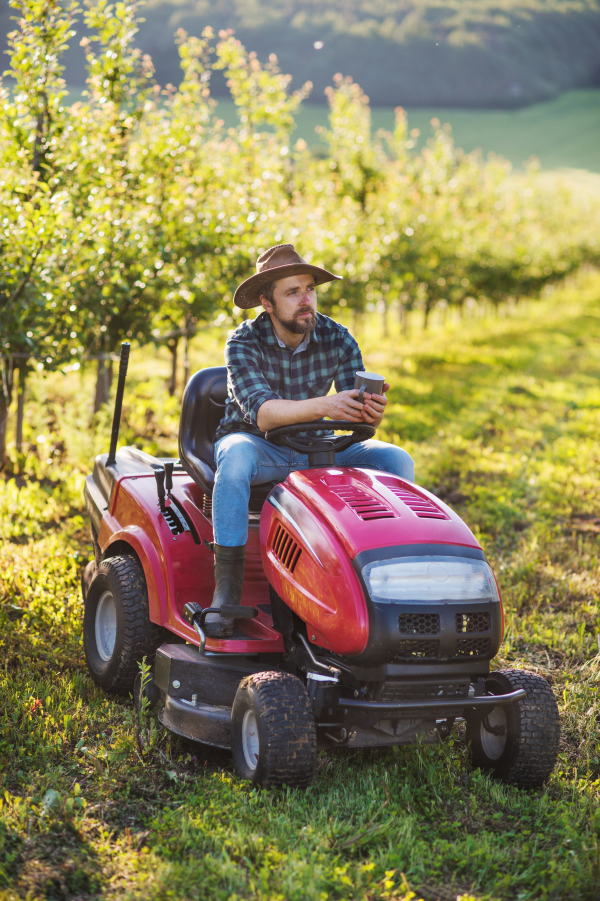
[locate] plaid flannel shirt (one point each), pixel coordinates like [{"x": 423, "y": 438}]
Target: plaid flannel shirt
[{"x": 259, "y": 369}]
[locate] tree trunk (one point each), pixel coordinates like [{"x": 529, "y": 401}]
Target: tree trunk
[
  {"x": 384, "y": 320},
  {"x": 103, "y": 379},
  {"x": 403, "y": 314},
  {"x": 186, "y": 355},
  {"x": 173, "y": 346},
  {"x": 5, "y": 399},
  {"x": 23, "y": 370},
  {"x": 426, "y": 312},
  {"x": 3, "y": 423},
  {"x": 357, "y": 322}
]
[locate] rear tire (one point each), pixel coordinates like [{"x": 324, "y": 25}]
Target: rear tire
[
  {"x": 525, "y": 754},
  {"x": 117, "y": 632},
  {"x": 273, "y": 735}
]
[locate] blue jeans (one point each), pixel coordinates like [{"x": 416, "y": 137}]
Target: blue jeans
[{"x": 244, "y": 460}]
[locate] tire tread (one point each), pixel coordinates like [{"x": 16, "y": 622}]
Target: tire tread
[
  {"x": 141, "y": 637},
  {"x": 530, "y": 760},
  {"x": 539, "y": 738},
  {"x": 291, "y": 743}
]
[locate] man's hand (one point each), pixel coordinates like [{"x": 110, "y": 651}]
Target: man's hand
[
  {"x": 374, "y": 407},
  {"x": 343, "y": 406}
]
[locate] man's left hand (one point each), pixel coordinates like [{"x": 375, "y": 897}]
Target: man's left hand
[{"x": 374, "y": 407}]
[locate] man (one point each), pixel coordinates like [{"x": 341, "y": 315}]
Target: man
[{"x": 280, "y": 368}]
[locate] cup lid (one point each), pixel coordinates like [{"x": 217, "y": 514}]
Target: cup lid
[{"x": 370, "y": 375}]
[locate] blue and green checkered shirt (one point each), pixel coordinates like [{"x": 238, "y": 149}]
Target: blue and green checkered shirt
[{"x": 259, "y": 368}]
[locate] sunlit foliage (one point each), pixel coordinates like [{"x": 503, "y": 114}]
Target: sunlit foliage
[{"x": 136, "y": 207}]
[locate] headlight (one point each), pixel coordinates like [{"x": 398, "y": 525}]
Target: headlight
[{"x": 434, "y": 578}]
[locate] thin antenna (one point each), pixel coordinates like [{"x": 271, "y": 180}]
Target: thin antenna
[{"x": 125, "y": 348}]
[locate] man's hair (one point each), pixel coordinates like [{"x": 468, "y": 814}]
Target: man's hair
[{"x": 267, "y": 291}]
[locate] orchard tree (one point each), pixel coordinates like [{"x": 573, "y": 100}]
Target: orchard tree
[
  {"x": 107, "y": 277},
  {"x": 36, "y": 231}
]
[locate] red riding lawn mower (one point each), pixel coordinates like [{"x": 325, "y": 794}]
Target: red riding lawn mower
[{"x": 369, "y": 613}]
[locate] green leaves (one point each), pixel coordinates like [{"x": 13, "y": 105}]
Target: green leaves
[{"x": 134, "y": 213}]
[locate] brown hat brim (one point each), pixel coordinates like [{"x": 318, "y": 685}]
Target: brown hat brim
[{"x": 248, "y": 293}]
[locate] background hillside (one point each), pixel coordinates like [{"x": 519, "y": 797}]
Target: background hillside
[{"x": 470, "y": 53}]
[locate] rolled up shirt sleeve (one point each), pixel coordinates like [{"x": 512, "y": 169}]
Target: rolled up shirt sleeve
[
  {"x": 245, "y": 379},
  {"x": 351, "y": 362}
]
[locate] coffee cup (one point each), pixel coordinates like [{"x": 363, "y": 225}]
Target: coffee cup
[{"x": 368, "y": 382}]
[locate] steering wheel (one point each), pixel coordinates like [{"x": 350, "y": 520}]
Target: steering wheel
[{"x": 324, "y": 444}]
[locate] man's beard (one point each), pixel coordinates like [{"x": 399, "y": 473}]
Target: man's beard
[{"x": 299, "y": 327}]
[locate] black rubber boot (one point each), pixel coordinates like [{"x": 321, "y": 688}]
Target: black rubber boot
[{"x": 229, "y": 578}]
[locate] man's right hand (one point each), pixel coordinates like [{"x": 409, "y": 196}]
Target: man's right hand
[{"x": 343, "y": 406}]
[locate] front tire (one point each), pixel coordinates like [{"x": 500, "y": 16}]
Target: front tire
[
  {"x": 273, "y": 735},
  {"x": 517, "y": 744},
  {"x": 117, "y": 632}
]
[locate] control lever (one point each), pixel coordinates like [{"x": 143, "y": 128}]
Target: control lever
[
  {"x": 193, "y": 611},
  {"x": 169, "y": 477},
  {"x": 159, "y": 475},
  {"x": 195, "y": 616}
]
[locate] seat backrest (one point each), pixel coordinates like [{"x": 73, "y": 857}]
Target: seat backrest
[{"x": 202, "y": 408}]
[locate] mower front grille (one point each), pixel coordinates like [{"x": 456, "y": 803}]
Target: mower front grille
[
  {"x": 425, "y": 649},
  {"x": 419, "y": 623},
  {"x": 472, "y": 647},
  {"x": 364, "y": 504},
  {"x": 286, "y": 549},
  {"x": 473, "y": 622},
  {"x": 394, "y": 692}
]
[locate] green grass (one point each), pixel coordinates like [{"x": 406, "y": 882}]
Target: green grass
[
  {"x": 562, "y": 133},
  {"x": 502, "y": 416}
]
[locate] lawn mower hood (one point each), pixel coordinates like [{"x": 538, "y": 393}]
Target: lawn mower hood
[{"x": 380, "y": 570}]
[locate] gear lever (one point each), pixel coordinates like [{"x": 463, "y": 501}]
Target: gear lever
[
  {"x": 159, "y": 475},
  {"x": 169, "y": 477}
]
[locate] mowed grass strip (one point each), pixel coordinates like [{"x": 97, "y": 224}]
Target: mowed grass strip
[
  {"x": 503, "y": 418},
  {"x": 563, "y": 133}
]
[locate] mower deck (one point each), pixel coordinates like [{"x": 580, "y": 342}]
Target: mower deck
[{"x": 198, "y": 693}]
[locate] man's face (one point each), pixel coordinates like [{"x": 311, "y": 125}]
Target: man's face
[{"x": 294, "y": 303}]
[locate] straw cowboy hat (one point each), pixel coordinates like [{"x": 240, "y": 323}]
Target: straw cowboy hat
[{"x": 275, "y": 263}]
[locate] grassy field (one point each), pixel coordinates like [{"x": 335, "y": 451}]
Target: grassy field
[
  {"x": 562, "y": 133},
  {"x": 502, "y": 416}
]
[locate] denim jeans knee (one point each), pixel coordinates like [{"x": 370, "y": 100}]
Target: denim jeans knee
[{"x": 379, "y": 455}]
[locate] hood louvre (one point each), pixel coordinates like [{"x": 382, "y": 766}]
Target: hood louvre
[
  {"x": 422, "y": 506},
  {"x": 286, "y": 549},
  {"x": 364, "y": 504}
]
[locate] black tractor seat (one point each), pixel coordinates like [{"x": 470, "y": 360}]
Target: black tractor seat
[{"x": 202, "y": 409}]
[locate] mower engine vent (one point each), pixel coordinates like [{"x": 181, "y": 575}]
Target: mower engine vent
[
  {"x": 426, "y": 649},
  {"x": 364, "y": 504},
  {"x": 472, "y": 647},
  {"x": 286, "y": 549},
  {"x": 473, "y": 622},
  {"x": 420, "y": 623},
  {"x": 422, "y": 506}
]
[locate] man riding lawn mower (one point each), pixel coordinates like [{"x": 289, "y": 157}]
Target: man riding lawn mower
[
  {"x": 280, "y": 368},
  {"x": 343, "y": 606}
]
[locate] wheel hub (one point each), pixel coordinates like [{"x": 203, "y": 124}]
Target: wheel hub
[
  {"x": 494, "y": 732},
  {"x": 250, "y": 739},
  {"x": 106, "y": 625}
]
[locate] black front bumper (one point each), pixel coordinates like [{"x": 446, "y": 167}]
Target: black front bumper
[{"x": 366, "y": 713}]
